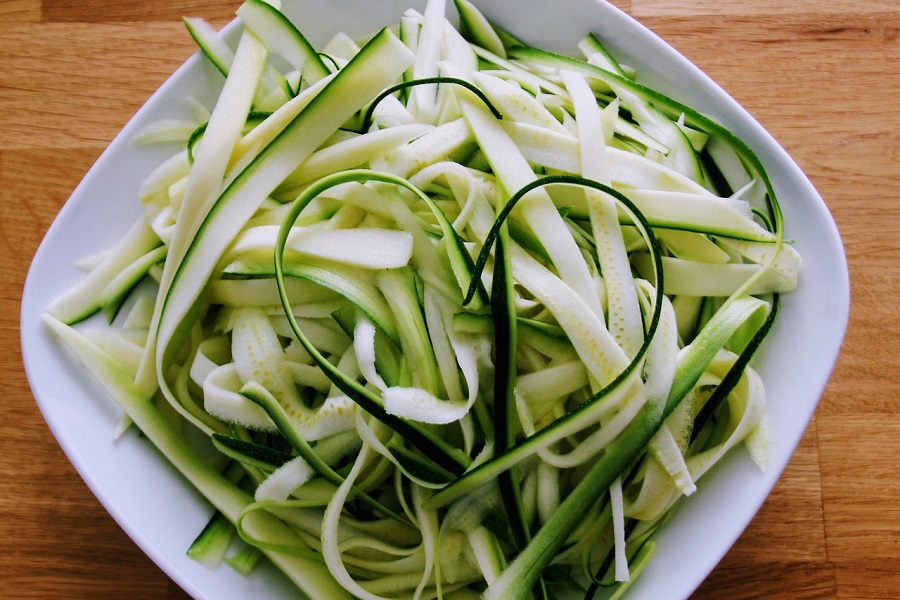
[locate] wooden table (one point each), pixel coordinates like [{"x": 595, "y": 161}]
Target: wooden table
[{"x": 824, "y": 78}]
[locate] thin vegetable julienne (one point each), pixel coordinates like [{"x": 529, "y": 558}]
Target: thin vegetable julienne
[{"x": 492, "y": 477}]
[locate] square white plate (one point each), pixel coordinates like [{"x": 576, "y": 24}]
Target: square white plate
[{"x": 161, "y": 511}]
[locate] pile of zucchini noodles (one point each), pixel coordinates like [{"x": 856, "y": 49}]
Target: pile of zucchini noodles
[{"x": 455, "y": 317}]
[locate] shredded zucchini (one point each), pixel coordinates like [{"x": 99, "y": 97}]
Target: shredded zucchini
[{"x": 460, "y": 317}]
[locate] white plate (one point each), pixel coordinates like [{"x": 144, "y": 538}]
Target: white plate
[{"x": 160, "y": 510}]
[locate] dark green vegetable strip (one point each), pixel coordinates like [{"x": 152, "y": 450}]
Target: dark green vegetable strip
[
  {"x": 636, "y": 565},
  {"x": 256, "y": 455},
  {"x": 417, "y": 465},
  {"x": 504, "y": 417},
  {"x": 503, "y": 312},
  {"x": 491, "y": 237},
  {"x": 714, "y": 175},
  {"x": 734, "y": 374},
  {"x": 709, "y": 340},
  {"x": 367, "y": 116}
]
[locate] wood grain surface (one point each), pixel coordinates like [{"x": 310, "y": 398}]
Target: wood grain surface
[{"x": 822, "y": 77}]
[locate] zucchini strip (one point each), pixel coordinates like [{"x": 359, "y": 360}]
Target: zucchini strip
[
  {"x": 380, "y": 62},
  {"x": 282, "y": 38},
  {"x": 87, "y": 297},
  {"x": 403, "y": 85},
  {"x": 210, "y": 43}
]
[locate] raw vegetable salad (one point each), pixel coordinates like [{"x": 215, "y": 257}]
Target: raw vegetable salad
[{"x": 436, "y": 313}]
